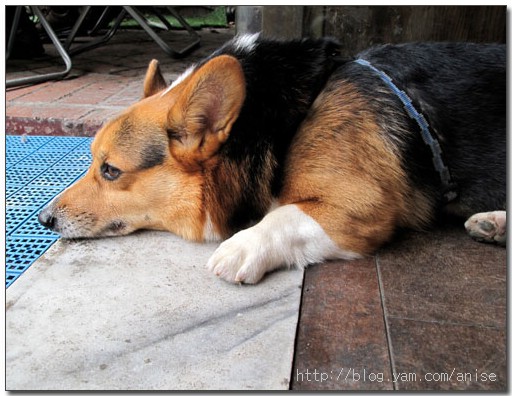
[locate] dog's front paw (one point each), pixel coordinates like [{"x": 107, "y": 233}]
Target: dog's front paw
[
  {"x": 241, "y": 258},
  {"x": 488, "y": 227}
]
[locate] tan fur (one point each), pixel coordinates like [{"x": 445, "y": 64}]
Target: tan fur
[
  {"x": 206, "y": 110},
  {"x": 163, "y": 164},
  {"x": 154, "y": 81},
  {"x": 169, "y": 196},
  {"x": 164, "y": 197},
  {"x": 341, "y": 172}
]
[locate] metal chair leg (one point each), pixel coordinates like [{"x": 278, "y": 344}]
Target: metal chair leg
[
  {"x": 101, "y": 20},
  {"x": 65, "y": 51},
  {"x": 182, "y": 21},
  {"x": 14, "y": 28},
  {"x": 98, "y": 41},
  {"x": 162, "y": 18},
  {"x": 62, "y": 52},
  {"x": 171, "y": 52},
  {"x": 76, "y": 26}
]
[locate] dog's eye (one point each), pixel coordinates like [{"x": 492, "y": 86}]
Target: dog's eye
[{"x": 110, "y": 172}]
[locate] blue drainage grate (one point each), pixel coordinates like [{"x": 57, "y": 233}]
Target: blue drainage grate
[
  {"x": 16, "y": 215},
  {"x": 37, "y": 169},
  {"x": 26, "y": 143},
  {"x": 21, "y": 253},
  {"x": 22, "y": 175},
  {"x": 31, "y": 195},
  {"x": 12, "y": 188},
  {"x": 31, "y": 227},
  {"x": 55, "y": 177}
]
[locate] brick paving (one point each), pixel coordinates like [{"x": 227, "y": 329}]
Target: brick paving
[{"x": 102, "y": 83}]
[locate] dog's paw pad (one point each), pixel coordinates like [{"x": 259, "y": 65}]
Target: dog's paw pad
[{"x": 488, "y": 227}]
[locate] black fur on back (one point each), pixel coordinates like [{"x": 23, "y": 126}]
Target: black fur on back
[{"x": 461, "y": 89}]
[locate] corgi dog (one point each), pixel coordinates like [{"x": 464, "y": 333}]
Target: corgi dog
[{"x": 294, "y": 155}]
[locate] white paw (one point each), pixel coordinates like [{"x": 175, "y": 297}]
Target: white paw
[
  {"x": 488, "y": 227},
  {"x": 241, "y": 258}
]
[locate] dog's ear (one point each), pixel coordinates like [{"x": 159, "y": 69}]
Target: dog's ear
[
  {"x": 201, "y": 119},
  {"x": 154, "y": 81}
]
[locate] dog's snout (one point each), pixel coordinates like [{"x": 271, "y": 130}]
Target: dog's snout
[{"x": 46, "y": 219}]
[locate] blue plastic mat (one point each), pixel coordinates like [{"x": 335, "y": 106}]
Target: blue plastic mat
[{"x": 37, "y": 169}]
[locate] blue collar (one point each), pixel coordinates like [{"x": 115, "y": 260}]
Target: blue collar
[{"x": 449, "y": 193}]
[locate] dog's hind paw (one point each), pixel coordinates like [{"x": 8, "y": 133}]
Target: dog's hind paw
[{"x": 488, "y": 227}]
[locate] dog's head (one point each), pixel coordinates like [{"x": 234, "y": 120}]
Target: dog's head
[{"x": 149, "y": 163}]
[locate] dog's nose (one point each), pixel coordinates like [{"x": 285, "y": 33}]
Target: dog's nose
[{"x": 46, "y": 219}]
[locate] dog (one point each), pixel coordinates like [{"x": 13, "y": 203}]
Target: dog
[{"x": 294, "y": 155}]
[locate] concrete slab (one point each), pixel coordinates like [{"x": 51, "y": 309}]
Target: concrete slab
[{"x": 141, "y": 313}]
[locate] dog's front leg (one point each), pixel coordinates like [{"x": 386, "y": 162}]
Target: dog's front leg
[{"x": 284, "y": 237}]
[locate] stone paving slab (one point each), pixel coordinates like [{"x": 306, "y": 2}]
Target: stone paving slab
[{"x": 142, "y": 313}]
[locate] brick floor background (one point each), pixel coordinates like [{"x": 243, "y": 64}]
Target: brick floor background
[{"x": 102, "y": 82}]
